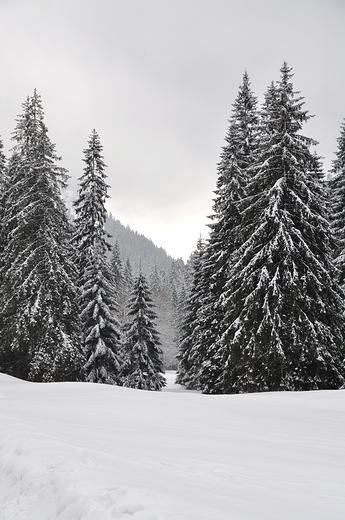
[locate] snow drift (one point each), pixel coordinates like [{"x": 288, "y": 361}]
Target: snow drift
[{"x": 97, "y": 452}]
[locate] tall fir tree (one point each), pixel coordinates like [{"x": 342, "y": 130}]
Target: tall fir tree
[
  {"x": 40, "y": 334},
  {"x": 337, "y": 205},
  {"x": 3, "y": 190},
  {"x": 284, "y": 310},
  {"x": 101, "y": 336},
  {"x": 191, "y": 343},
  {"x": 237, "y": 158},
  {"x": 144, "y": 366}
]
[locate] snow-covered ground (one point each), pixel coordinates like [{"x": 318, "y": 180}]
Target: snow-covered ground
[{"x": 96, "y": 452}]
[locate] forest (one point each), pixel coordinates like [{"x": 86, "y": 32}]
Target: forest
[
  {"x": 259, "y": 306},
  {"x": 74, "y": 307}
]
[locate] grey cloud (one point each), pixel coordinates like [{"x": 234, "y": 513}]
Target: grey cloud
[{"x": 157, "y": 78}]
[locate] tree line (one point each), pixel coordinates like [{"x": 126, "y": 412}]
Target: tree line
[
  {"x": 265, "y": 311},
  {"x": 168, "y": 279},
  {"x": 60, "y": 317},
  {"x": 260, "y": 305}
]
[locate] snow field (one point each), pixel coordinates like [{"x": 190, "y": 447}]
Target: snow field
[{"x": 71, "y": 451}]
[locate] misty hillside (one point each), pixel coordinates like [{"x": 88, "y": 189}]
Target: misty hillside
[
  {"x": 140, "y": 250},
  {"x": 167, "y": 278}
]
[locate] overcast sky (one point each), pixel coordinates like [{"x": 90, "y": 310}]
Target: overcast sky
[{"x": 157, "y": 79}]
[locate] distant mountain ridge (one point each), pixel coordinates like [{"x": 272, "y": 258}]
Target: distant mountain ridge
[
  {"x": 141, "y": 251},
  {"x": 163, "y": 273}
]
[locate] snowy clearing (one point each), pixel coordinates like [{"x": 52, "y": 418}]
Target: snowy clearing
[{"x": 96, "y": 452}]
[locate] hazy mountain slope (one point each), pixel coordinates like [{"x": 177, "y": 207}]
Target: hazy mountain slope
[
  {"x": 140, "y": 250},
  {"x": 144, "y": 255}
]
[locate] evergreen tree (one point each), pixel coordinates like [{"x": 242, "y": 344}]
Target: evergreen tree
[
  {"x": 238, "y": 156},
  {"x": 3, "y": 186},
  {"x": 40, "y": 334},
  {"x": 191, "y": 344},
  {"x": 284, "y": 311},
  {"x": 144, "y": 365},
  {"x": 101, "y": 335},
  {"x": 337, "y": 205},
  {"x": 3, "y": 191}
]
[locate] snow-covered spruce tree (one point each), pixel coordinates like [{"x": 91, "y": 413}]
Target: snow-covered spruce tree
[
  {"x": 40, "y": 334},
  {"x": 191, "y": 343},
  {"x": 143, "y": 368},
  {"x": 3, "y": 192},
  {"x": 285, "y": 312},
  {"x": 3, "y": 185},
  {"x": 237, "y": 157},
  {"x": 101, "y": 337},
  {"x": 337, "y": 205},
  {"x": 2, "y": 171}
]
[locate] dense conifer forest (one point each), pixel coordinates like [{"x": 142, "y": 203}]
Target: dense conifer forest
[
  {"x": 259, "y": 306},
  {"x": 266, "y": 307}
]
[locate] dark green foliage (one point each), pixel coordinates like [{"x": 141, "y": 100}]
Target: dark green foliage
[
  {"x": 143, "y": 366},
  {"x": 40, "y": 333},
  {"x": 262, "y": 309},
  {"x": 284, "y": 310},
  {"x": 90, "y": 209},
  {"x": 3, "y": 191},
  {"x": 191, "y": 348},
  {"x": 100, "y": 326},
  {"x": 101, "y": 336},
  {"x": 204, "y": 324},
  {"x": 265, "y": 311},
  {"x": 237, "y": 158},
  {"x": 337, "y": 205}
]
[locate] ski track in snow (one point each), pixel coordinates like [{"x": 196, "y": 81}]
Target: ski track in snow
[{"x": 71, "y": 451}]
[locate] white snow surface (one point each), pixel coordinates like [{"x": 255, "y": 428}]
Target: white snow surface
[{"x": 97, "y": 452}]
